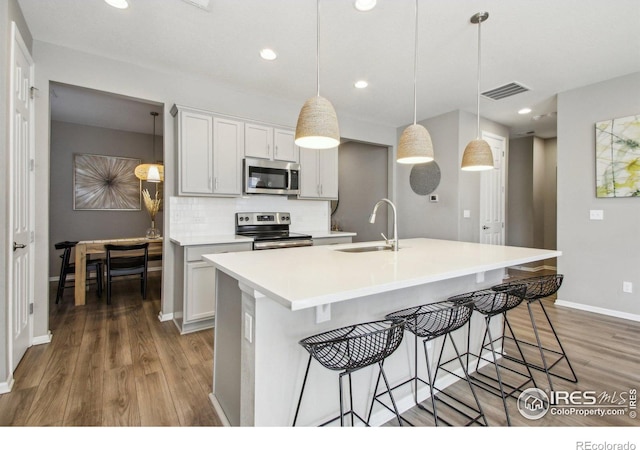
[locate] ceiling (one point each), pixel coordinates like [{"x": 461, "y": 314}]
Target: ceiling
[{"x": 549, "y": 46}]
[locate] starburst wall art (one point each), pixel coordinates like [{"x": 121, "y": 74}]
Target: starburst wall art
[
  {"x": 105, "y": 183},
  {"x": 618, "y": 157}
]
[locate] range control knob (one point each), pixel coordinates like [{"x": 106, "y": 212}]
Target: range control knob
[
  {"x": 246, "y": 218},
  {"x": 240, "y": 218}
]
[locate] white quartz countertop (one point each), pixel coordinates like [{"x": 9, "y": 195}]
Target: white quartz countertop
[
  {"x": 305, "y": 277},
  {"x": 209, "y": 240}
]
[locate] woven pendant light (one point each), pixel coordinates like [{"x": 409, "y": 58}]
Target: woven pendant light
[
  {"x": 477, "y": 154},
  {"x": 415, "y": 146},
  {"x": 317, "y": 125},
  {"x": 153, "y": 173}
]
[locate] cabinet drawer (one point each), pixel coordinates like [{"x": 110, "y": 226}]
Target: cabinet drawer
[{"x": 195, "y": 252}]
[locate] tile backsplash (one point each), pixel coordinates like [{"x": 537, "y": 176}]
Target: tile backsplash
[{"x": 207, "y": 216}]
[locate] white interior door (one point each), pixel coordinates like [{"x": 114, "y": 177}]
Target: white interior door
[
  {"x": 492, "y": 193},
  {"x": 21, "y": 198}
]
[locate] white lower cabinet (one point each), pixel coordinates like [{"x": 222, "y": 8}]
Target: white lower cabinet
[{"x": 195, "y": 285}]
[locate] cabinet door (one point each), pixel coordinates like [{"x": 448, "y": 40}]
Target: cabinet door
[
  {"x": 228, "y": 139},
  {"x": 309, "y": 187},
  {"x": 200, "y": 282},
  {"x": 258, "y": 140},
  {"x": 328, "y": 173},
  {"x": 196, "y": 152},
  {"x": 284, "y": 147}
]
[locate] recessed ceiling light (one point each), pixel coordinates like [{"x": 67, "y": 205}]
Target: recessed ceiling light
[
  {"x": 120, "y": 4},
  {"x": 268, "y": 54},
  {"x": 361, "y": 84},
  {"x": 524, "y": 111},
  {"x": 365, "y": 5}
]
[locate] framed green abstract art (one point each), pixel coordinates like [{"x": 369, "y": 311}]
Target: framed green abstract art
[{"x": 618, "y": 157}]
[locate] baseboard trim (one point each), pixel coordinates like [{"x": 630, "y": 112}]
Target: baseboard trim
[
  {"x": 164, "y": 317},
  {"x": 6, "y": 386},
  {"x": 38, "y": 340},
  {"x": 598, "y": 310},
  {"x": 219, "y": 410}
]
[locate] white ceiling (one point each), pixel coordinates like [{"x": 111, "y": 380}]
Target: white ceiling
[{"x": 547, "y": 45}]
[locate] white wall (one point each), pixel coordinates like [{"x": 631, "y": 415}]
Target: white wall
[
  {"x": 54, "y": 63},
  {"x": 597, "y": 255}
]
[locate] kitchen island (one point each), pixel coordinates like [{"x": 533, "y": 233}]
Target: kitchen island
[{"x": 268, "y": 300}]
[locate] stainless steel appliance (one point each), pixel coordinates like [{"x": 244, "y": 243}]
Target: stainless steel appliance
[
  {"x": 262, "y": 176},
  {"x": 270, "y": 230}
]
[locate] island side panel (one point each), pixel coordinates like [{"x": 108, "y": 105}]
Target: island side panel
[
  {"x": 274, "y": 363},
  {"x": 227, "y": 347}
]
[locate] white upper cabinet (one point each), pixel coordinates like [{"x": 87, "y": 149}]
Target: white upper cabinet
[
  {"x": 284, "y": 147},
  {"x": 269, "y": 143},
  {"x": 195, "y": 147},
  {"x": 210, "y": 150},
  {"x": 228, "y": 143},
  {"x": 319, "y": 173}
]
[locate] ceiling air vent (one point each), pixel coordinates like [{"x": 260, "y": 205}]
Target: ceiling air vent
[{"x": 504, "y": 91}]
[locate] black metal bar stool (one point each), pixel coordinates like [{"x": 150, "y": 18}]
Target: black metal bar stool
[
  {"x": 491, "y": 303},
  {"x": 537, "y": 289},
  {"x": 349, "y": 349},
  {"x": 429, "y": 322}
]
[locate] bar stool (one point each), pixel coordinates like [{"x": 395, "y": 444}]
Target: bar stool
[
  {"x": 429, "y": 322},
  {"x": 67, "y": 267},
  {"x": 537, "y": 289},
  {"x": 491, "y": 303},
  {"x": 349, "y": 349}
]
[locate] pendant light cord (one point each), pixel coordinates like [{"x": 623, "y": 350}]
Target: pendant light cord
[
  {"x": 415, "y": 67},
  {"x": 318, "y": 46},
  {"x": 478, "y": 99}
]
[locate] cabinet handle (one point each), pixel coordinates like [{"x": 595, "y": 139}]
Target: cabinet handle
[
  {"x": 276, "y": 150},
  {"x": 216, "y": 182},
  {"x": 268, "y": 149}
]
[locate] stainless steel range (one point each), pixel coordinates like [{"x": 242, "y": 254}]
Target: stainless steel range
[{"x": 270, "y": 230}]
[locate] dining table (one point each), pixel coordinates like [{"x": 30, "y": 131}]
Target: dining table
[{"x": 84, "y": 248}]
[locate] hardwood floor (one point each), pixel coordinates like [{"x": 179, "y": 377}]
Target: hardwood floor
[
  {"x": 119, "y": 366},
  {"x": 113, "y": 365},
  {"x": 604, "y": 352}
]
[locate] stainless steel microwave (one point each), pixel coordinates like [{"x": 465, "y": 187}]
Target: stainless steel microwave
[{"x": 262, "y": 176}]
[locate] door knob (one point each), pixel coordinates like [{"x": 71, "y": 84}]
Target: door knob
[
  {"x": 17, "y": 246},
  {"x": 484, "y": 227}
]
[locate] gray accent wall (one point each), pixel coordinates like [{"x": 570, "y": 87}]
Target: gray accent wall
[
  {"x": 597, "y": 255},
  {"x": 363, "y": 171},
  {"x": 65, "y": 224},
  {"x": 531, "y": 205}
]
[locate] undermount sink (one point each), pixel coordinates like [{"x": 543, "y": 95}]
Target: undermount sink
[{"x": 376, "y": 248}]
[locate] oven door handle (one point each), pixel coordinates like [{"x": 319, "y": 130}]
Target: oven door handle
[{"x": 282, "y": 244}]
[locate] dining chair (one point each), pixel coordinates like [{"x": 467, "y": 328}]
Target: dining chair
[
  {"x": 123, "y": 260},
  {"x": 67, "y": 267}
]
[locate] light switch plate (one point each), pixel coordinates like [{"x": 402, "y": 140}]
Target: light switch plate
[
  {"x": 596, "y": 214},
  {"x": 466, "y": 213}
]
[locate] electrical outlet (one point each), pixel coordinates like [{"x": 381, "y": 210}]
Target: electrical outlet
[
  {"x": 596, "y": 214},
  {"x": 248, "y": 327},
  {"x": 466, "y": 213},
  {"x": 627, "y": 286}
]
